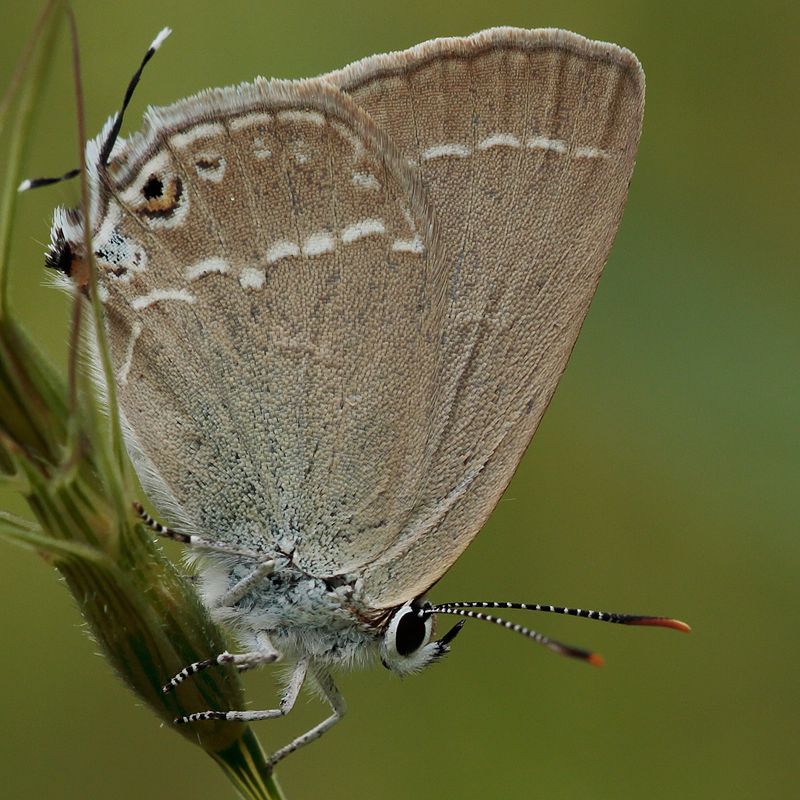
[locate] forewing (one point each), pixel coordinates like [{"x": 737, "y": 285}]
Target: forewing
[{"x": 268, "y": 268}]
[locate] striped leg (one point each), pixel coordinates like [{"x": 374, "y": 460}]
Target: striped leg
[
  {"x": 235, "y": 593},
  {"x": 286, "y": 705},
  {"x": 197, "y": 541},
  {"x": 244, "y": 661}
]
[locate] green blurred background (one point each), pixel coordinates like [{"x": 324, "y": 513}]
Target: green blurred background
[{"x": 664, "y": 478}]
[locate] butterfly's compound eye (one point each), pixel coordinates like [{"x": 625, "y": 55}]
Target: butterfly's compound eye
[
  {"x": 407, "y": 645},
  {"x": 413, "y": 630}
]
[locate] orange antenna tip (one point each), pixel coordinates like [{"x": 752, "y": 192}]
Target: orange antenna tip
[{"x": 661, "y": 622}]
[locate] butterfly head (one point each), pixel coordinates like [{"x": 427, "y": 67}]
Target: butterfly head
[{"x": 408, "y": 644}]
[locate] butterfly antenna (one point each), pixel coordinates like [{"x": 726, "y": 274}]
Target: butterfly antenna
[
  {"x": 113, "y": 134},
  {"x": 551, "y": 644},
  {"x": 466, "y": 610},
  {"x": 602, "y": 616},
  {"x": 111, "y": 139}
]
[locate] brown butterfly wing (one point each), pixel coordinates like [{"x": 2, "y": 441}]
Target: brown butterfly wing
[{"x": 525, "y": 142}]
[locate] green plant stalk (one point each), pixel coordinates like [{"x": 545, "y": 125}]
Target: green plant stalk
[{"x": 57, "y": 450}]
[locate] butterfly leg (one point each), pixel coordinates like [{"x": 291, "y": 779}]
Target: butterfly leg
[
  {"x": 286, "y": 704},
  {"x": 199, "y": 542},
  {"x": 250, "y": 581},
  {"x": 337, "y": 703},
  {"x": 266, "y": 654}
]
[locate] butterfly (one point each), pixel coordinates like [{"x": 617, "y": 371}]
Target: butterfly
[{"x": 337, "y": 310}]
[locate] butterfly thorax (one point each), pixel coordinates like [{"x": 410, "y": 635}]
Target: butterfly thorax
[{"x": 302, "y": 615}]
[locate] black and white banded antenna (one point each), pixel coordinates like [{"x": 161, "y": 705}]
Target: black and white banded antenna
[
  {"x": 113, "y": 134},
  {"x": 466, "y": 610}
]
